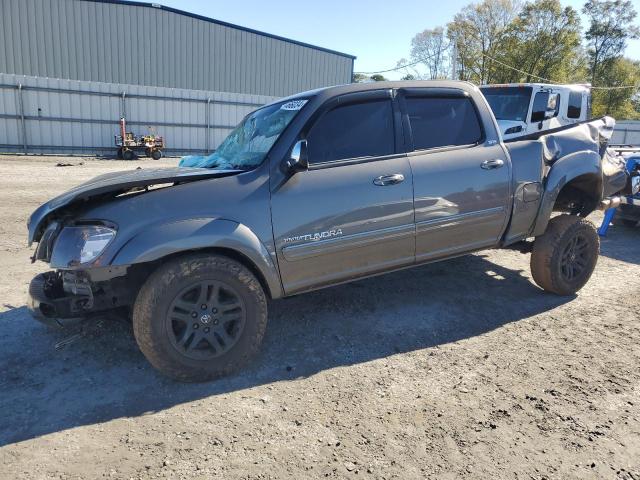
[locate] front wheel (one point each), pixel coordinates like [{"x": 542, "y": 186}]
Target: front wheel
[
  {"x": 565, "y": 256},
  {"x": 200, "y": 317}
]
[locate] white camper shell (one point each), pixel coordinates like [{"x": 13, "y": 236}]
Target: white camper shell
[{"x": 525, "y": 108}]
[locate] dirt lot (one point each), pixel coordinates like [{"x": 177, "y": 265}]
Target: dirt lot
[{"x": 460, "y": 369}]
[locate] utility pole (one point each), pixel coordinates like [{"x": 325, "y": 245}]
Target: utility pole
[{"x": 454, "y": 59}]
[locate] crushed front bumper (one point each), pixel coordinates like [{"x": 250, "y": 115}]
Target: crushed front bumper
[
  {"x": 63, "y": 297},
  {"x": 51, "y": 305}
]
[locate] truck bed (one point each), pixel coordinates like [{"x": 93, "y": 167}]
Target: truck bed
[{"x": 541, "y": 159}]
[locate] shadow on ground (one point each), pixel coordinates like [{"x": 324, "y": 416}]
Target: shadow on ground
[
  {"x": 101, "y": 375},
  {"x": 622, "y": 243}
]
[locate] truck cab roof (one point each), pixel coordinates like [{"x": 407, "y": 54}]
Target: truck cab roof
[
  {"x": 337, "y": 90},
  {"x": 540, "y": 86}
]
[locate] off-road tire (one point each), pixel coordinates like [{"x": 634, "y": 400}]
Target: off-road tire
[
  {"x": 548, "y": 250},
  {"x": 163, "y": 286}
]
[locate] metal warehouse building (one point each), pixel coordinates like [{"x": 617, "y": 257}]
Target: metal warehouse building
[{"x": 70, "y": 68}]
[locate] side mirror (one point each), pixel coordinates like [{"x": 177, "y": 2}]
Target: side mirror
[{"x": 298, "y": 159}]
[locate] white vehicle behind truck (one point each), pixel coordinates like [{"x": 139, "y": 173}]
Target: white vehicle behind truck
[{"x": 527, "y": 108}]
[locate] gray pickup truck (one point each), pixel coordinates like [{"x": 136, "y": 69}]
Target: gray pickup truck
[{"x": 317, "y": 189}]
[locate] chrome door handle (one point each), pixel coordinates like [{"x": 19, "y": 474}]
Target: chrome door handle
[
  {"x": 384, "y": 180},
  {"x": 491, "y": 164}
]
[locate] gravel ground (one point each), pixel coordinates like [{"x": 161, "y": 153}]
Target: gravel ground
[{"x": 459, "y": 369}]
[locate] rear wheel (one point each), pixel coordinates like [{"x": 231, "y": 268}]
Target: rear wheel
[
  {"x": 128, "y": 154},
  {"x": 565, "y": 256},
  {"x": 156, "y": 154},
  {"x": 200, "y": 317}
]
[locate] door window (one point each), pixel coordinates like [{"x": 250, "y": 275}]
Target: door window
[
  {"x": 575, "y": 105},
  {"x": 353, "y": 131},
  {"x": 545, "y": 105},
  {"x": 442, "y": 122},
  {"x": 539, "y": 110}
]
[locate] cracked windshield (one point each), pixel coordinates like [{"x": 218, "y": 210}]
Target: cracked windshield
[{"x": 248, "y": 144}]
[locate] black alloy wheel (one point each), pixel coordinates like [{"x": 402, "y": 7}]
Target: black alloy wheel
[
  {"x": 205, "y": 320},
  {"x": 575, "y": 258}
]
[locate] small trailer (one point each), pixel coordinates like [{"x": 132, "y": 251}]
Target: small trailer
[
  {"x": 129, "y": 144},
  {"x": 627, "y": 212}
]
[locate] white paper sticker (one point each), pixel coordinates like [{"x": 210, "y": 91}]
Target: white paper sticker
[{"x": 293, "y": 105}]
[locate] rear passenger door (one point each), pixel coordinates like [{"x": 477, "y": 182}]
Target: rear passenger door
[{"x": 461, "y": 180}]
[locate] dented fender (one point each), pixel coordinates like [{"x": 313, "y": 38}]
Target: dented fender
[
  {"x": 178, "y": 236},
  {"x": 563, "y": 171}
]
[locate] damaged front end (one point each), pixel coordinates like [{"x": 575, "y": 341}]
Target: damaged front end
[
  {"x": 79, "y": 243},
  {"x": 59, "y": 298},
  {"x": 63, "y": 297},
  {"x": 80, "y": 287},
  {"x": 70, "y": 294}
]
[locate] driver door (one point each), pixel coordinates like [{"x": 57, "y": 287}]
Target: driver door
[{"x": 351, "y": 213}]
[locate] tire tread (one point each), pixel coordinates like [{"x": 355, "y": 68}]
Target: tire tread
[
  {"x": 151, "y": 294},
  {"x": 545, "y": 249}
]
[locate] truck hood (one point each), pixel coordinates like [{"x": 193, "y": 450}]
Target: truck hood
[
  {"x": 504, "y": 125},
  {"x": 117, "y": 183}
]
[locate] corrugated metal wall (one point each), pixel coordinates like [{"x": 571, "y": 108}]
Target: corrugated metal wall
[
  {"x": 45, "y": 115},
  {"x": 627, "y": 132},
  {"x": 140, "y": 44}
]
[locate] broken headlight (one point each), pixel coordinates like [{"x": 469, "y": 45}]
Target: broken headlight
[{"x": 80, "y": 245}]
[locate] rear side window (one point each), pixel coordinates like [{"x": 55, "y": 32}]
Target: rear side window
[
  {"x": 353, "y": 131},
  {"x": 554, "y": 104},
  {"x": 540, "y": 104},
  {"x": 575, "y": 105},
  {"x": 442, "y": 122},
  {"x": 545, "y": 105}
]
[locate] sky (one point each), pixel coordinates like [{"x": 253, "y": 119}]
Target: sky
[{"x": 377, "y": 32}]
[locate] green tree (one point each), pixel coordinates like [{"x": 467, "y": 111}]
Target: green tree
[
  {"x": 620, "y": 103},
  {"x": 363, "y": 78},
  {"x": 359, "y": 78},
  {"x": 478, "y": 33},
  {"x": 542, "y": 42},
  {"x": 611, "y": 25},
  {"x": 430, "y": 48}
]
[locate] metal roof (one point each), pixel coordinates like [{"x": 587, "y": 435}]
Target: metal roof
[{"x": 157, "y": 6}]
